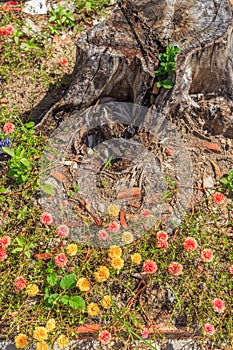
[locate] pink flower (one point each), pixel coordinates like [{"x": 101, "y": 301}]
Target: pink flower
[
  {"x": 8, "y": 127},
  {"x": 162, "y": 236},
  {"x": 46, "y": 219},
  {"x": 218, "y": 198},
  {"x": 63, "y": 62},
  {"x": 62, "y": 231},
  {"x": 207, "y": 255},
  {"x": 61, "y": 260},
  {"x": 162, "y": 244},
  {"x": 175, "y": 269},
  {"x": 113, "y": 226},
  {"x": 190, "y": 244},
  {"x": 231, "y": 269},
  {"x": 145, "y": 213},
  {"x": 3, "y": 254},
  {"x": 209, "y": 329},
  {"x": 150, "y": 266},
  {"x": 7, "y": 30},
  {"x": 105, "y": 337},
  {"x": 218, "y": 305},
  {"x": 5, "y": 241},
  {"x": 20, "y": 283},
  {"x": 103, "y": 235},
  {"x": 145, "y": 333}
]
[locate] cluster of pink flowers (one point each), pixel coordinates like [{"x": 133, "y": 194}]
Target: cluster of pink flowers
[
  {"x": 113, "y": 226},
  {"x": 3, "y": 254},
  {"x": 20, "y": 283},
  {"x": 61, "y": 260},
  {"x": 7, "y": 30},
  {"x": 175, "y": 268},
  {"x": 207, "y": 255},
  {"x": 63, "y": 231},
  {"x": 8, "y": 127},
  {"x": 218, "y": 198},
  {"x": 11, "y": 6},
  {"x": 209, "y": 329},
  {"x": 145, "y": 333},
  {"x": 218, "y": 305},
  {"x": 105, "y": 337},
  {"x": 162, "y": 238},
  {"x": 190, "y": 244},
  {"x": 46, "y": 219},
  {"x": 4, "y": 243},
  {"x": 103, "y": 235},
  {"x": 150, "y": 266}
]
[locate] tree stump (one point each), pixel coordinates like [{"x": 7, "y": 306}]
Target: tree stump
[{"x": 117, "y": 58}]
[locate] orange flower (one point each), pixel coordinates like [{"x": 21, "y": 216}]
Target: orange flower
[
  {"x": 113, "y": 210},
  {"x": 62, "y": 341},
  {"x": 93, "y": 309},
  {"x": 72, "y": 249},
  {"x": 83, "y": 284},
  {"x": 32, "y": 290},
  {"x": 117, "y": 263},
  {"x": 190, "y": 244},
  {"x": 218, "y": 198},
  {"x": 106, "y": 302},
  {"x": 21, "y": 341},
  {"x": 102, "y": 274},
  {"x": 114, "y": 252},
  {"x": 207, "y": 255},
  {"x": 50, "y": 325},
  {"x": 42, "y": 346},
  {"x": 136, "y": 258},
  {"x": 40, "y": 333}
]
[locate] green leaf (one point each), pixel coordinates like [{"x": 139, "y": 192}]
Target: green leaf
[
  {"x": 52, "y": 279},
  {"x": 29, "y": 125},
  {"x": 88, "y": 6},
  {"x": 48, "y": 189},
  {"x": 20, "y": 241},
  {"x": 25, "y": 162},
  {"x": 9, "y": 151},
  {"x": 2, "y": 189},
  {"x": 167, "y": 84},
  {"x": 16, "y": 250},
  {"x": 68, "y": 281},
  {"x": 65, "y": 299},
  {"x": 77, "y": 302},
  {"x": 27, "y": 253}
]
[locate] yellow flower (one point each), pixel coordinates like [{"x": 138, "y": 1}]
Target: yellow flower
[
  {"x": 62, "y": 341},
  {"x": 83, "y": 284},
  {"x": 102, "y": 274},
  {"x": 21, "y": 341},
  {"x": 40, "y": 333},
  {"x": 114, "y": 252},
  {"x": 136, "y": 258},
  {"x": 113, "y": 210},
  {"x": 93, "y": 309},
  {"x": 127, "y": 237},
  {"x": 32, "y": 290},
  {"x": 72, "y": 249},
  {"x": 42, "y": 346},
  {"x": 117, "y": 263},
  {"x": 106, "y": 301},
  {"x": 50, "y": 325}
]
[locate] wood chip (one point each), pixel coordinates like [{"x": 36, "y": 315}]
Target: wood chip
[
  {"x": 131, "y": 193},
  {"x": 208, "y": 145},
  {"x": 58, "y": 176}
]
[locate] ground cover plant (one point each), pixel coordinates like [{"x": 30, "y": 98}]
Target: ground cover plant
[{"x": 51, "y": 284}]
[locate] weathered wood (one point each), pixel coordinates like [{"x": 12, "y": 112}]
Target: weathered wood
[{"x": 117, "y": 58}]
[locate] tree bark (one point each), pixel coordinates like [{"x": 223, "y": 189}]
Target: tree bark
[{"x": 118, "y": 57}]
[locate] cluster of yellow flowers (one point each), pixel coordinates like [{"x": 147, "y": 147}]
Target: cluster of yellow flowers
[
  {"x": 114, "y": 253},
  {"x": 93, "y": 308}
]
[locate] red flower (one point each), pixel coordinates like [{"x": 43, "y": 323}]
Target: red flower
[
  {"x": 190, "y": 244},
  {"x": 207, "y": 255},
  {"x": 8, "y": 30},
  {"x": 20, "y": 283},
  {"x": 8, "y": 127},
  {"x": 175, "y": 268},
  {"x": 218, "y": 198},
  {"x": 209, "y": 329},
  {"x": 46, "y": 219},
  {"x": 218, "y": 305},
  {"x": 113, "y": 226},
  {"x": 231, "y": 269},
  {"x": 63, "y": 62},
  {"x": 3, "y": 254},
  {"x": 145, "y": 333},
  {"x": 61, "y": 260},
  {"x": 5, "y": 241},
  {"x": 162, "y": 244},
  {"x": 9, "y": 6},
  {"x": 62, "y": 231},
  {"x": 105, "y": 337},
  {"x": 162, "y": 236},
  {"x": 150, "y": 266}
]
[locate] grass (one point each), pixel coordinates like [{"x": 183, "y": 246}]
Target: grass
[{"x": 34, "y": 245}]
